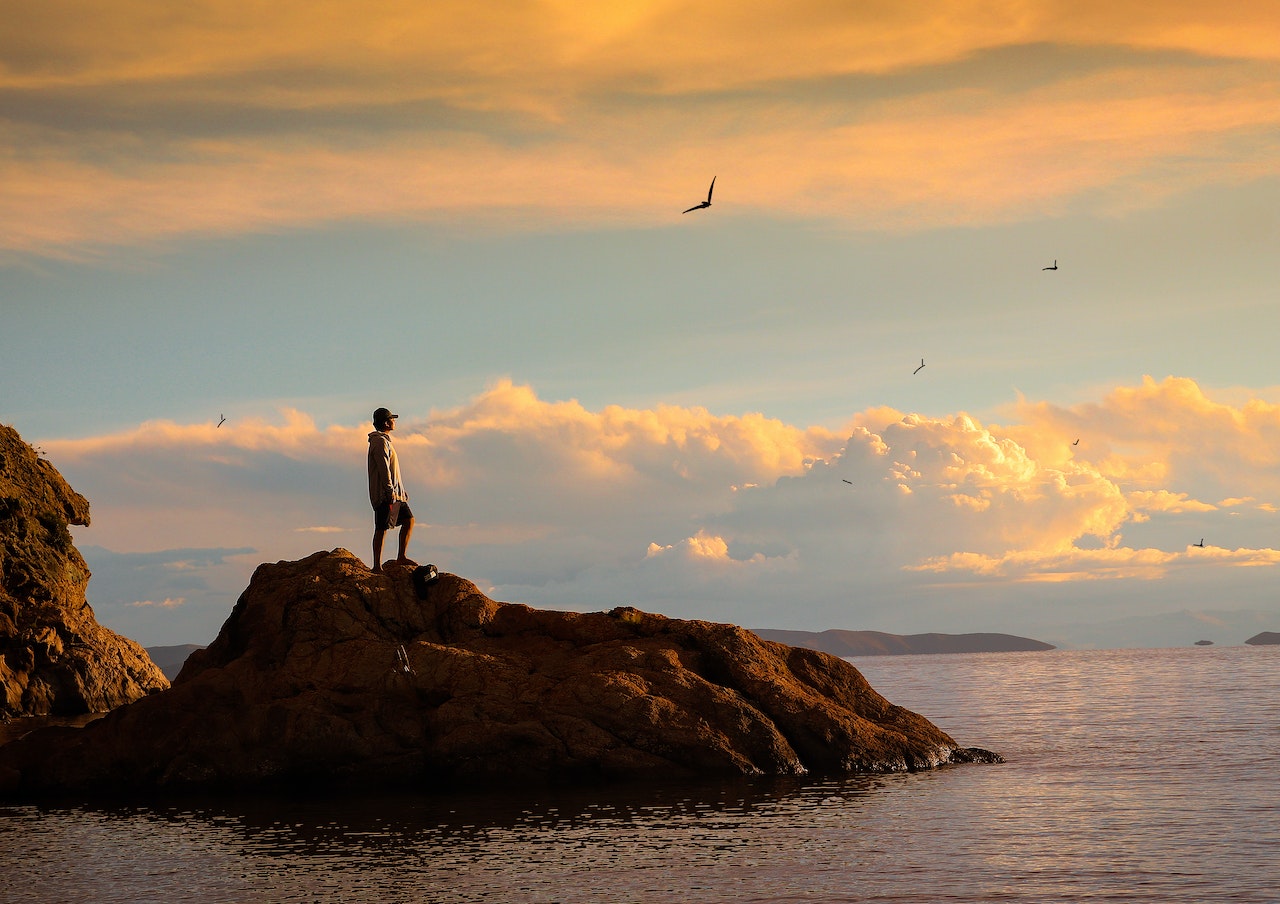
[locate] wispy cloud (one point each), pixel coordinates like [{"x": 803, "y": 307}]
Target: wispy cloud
[
  {"x": 166, "y": 603},
  {"x": 194, "y": 588},
  {"x": 1094, "y": 564},
  {"x": 127, "y": 127}
]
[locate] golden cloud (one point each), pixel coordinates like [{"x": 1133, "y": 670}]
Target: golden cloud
[
  {"x": 1093, "y": 564},
  {"x": 518, "y": 116},
  {"x": 998, "y": 498},
  {"x": 564, "y": 487},
  {"x": 673, "y": 44},
  {"x": 505, "y": 437},
  {"x": 669, "y": 442},
  {"x": 1164, "y": 501},
  {"x": 1159, "y": 434},
  {"x": 296, "y": 436}
]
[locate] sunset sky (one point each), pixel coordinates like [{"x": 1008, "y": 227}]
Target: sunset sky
[{"x": 290, "y": 213}]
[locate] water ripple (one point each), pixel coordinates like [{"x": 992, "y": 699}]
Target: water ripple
[{"x": 1134, "y": 776}]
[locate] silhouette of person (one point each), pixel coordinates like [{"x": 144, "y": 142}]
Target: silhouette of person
[{"x": 386, "y": 490}]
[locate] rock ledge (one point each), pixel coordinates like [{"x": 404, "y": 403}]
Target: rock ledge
[{"x": 305, "y": 684}]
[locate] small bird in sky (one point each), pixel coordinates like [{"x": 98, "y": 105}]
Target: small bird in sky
[
  {"x": 1077, "y": 442},
  {"x": 223, "y": 421},
  {"x": 917, "y": 370},
  {"x": 706, "y": 203},
  {"x": 1200, "y": 544},
  {"x": 850, "y": 482},
  {"x": 1054, "y": 267}
]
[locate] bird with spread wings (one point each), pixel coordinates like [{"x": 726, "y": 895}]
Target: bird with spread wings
[{"x": 706, "y": 203}]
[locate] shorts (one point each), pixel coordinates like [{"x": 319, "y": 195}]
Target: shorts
[{"x": 380, "y": 513}]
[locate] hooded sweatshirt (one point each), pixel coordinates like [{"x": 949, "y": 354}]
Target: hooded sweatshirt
[{"x": 384, "y": 471}]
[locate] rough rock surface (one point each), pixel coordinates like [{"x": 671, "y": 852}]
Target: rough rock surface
[
  {"x": 304, "y": 684},
  {"x": 54, "y": 656}
]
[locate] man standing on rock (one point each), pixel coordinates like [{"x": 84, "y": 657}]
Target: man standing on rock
[{"x": 386, "y": 491}]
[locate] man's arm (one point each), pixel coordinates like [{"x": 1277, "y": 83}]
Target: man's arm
[{"x": 380, "y": 471}]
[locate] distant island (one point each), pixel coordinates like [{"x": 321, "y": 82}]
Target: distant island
[
  {"x": 1264, "y": 639},
  {"x": 877, "y": 643},
  {"x": 171, "y": 659}
]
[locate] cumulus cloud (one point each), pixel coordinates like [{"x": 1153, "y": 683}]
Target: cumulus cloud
[
  {"x": 508, "y": 488},
  {"x": 1170, "y": 435},
  {"x": 704, "y": 548},
  {"x": 921, "y": 495},
  {"x": 734, "y": 517}
]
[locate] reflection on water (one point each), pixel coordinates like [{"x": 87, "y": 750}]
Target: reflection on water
[
  {"x": 1132, "y": 776},
  {"x": 537, "y": 845}
]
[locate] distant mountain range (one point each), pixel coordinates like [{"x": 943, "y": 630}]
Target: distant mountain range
[{"x": 877, "y": 643}]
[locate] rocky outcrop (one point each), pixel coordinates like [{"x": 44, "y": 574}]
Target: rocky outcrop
[
  {"x": 326, "y": 672},
  {"x": 838, "y": 642},
  {"x": 1264, "y": 639},
  {"x": 54, "y": 656}
]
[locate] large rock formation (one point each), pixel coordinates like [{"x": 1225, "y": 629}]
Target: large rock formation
[
  {"x": 305, "y": 683},
  {"x": 839, "y": 642},
  {"x": 54, "y": 656},
  {"x": 1264, "y": 639}
]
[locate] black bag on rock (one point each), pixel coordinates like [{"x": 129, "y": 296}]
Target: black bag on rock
[{"x": 423, "y": 575}]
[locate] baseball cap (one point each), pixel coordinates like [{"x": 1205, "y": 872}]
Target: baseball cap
[{"x": 383, "y": 414}]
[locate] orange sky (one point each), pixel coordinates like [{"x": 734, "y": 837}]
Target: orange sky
[{"x": 131, "y": 125}]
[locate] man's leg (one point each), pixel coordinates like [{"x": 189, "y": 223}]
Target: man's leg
[
  {"x": 377, "y": 549},
  {"x": 406, "y": 531}
]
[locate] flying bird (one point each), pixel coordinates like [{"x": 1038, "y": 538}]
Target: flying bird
[
  {"x": 850, "y": 482},
  {"x": 706, "y": 203},
  {"x": 917, "y": 370},
  {"x": 1200, "y": 544},
  {"x": 1076, "y": 443},
  {"x": 1054, "y": 267},
  {"x": 223, "y": 421}
]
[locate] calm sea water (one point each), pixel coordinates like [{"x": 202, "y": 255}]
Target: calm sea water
[{"x": 1132, "y": 775}]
